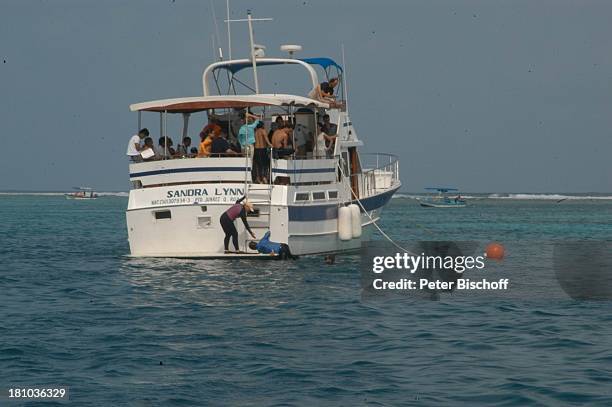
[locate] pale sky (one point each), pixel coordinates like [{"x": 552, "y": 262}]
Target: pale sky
[{"x": 488, "y": 96}]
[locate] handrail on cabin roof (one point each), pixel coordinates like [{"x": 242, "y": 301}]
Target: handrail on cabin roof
[{"x": 238, "y": 64}]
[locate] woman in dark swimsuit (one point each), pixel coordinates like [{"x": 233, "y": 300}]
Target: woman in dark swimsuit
[{"x": 227, "y": 222}]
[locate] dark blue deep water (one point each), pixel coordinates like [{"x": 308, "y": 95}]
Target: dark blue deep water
[{"x": 75, "y": 311}]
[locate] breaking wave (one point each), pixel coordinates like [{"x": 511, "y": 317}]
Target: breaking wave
[
  {"x": 551, "y": 197},
  {"x": 554, "y": 197},
  {"x": 417, "y": 196},
  {"x": 122, "y": 194}
]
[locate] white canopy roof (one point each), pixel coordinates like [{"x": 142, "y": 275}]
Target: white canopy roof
[{"x": 199, "y": 103}]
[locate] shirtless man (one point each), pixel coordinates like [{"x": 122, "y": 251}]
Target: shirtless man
[
  {"x": 280, "y": 142},
  {"x": 280, "y": 137},
  {"x": 261, "y": 137},
  {"x": 261, "y": 159}
]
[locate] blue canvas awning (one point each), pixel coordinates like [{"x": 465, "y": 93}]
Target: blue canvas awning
[{"x": 322, "y": 62}]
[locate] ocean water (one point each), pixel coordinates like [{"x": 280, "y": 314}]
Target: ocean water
[{"x": 77, "y": 312}]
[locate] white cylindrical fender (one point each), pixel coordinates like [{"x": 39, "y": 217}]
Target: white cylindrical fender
[
  {"x": 355, "y": 220},
  {"x": 345, "y": 227}
]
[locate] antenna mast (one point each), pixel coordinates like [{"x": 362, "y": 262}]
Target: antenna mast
[
  {"x": 250, "y": 20},
  {"x": 344, "y": 81},
  {"x": 229, "y": 32},
  {"x": 214, "y": 18}
]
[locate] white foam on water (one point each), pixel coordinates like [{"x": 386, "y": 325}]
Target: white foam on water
[
  {"x": 122, "y": 194},
  {"x": 33, "y": 193},
  {"x": 552, "y": 197},
  {"x": 404, "y": 196},
  {"x": 417, "y": 196},
  {"x": 543, "y": 197}
]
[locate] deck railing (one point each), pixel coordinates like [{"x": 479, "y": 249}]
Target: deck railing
[{"x": 380, "y": 171}]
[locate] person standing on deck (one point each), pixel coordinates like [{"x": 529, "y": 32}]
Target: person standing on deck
[
  {"x": 280, "y": 137},
  {"x": 261, "y": 158},
  {"x": 134, "y": 148},
  {"x": 280, "y": 142},
  {"x": 246, "y": 135},
  {"x": 322, "y": 150},
  {"x": 332, "y": 129},
  {"x": 227, "y": 222}
]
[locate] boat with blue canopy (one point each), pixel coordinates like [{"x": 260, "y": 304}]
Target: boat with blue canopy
[{"x": 442, "y": 198}]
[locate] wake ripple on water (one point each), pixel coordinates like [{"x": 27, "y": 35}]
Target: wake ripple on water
[{"x": 120, "y": 331}]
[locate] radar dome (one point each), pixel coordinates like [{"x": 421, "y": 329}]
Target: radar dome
[{"x": 290, "y": 48}]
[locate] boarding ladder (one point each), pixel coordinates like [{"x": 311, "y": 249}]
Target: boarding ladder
[{"x": 260, "y": 195}]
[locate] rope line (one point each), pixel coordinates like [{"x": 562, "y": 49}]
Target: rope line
[{"x": 382, "y": 232}]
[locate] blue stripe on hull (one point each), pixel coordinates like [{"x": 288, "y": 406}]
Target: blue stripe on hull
[
  {"x": 194, "y": 169},
  {"x": 304, "y": 171},
  {"x": 314, "y": 212},
  {"x": 325, "y": 212},
  {"x": 230, "y": 169},
  {"x": 377, "y": 201}
]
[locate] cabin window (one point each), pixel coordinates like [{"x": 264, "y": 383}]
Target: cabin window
[
  {"x": 159, "y": 215},
  {"x": 204, "y": 222},
  {"x": 302, "y": 196},
  {"x": 332, "y": 194},
  {"x": 280, "y": 180},
  {"x": 318, "y": 196}
]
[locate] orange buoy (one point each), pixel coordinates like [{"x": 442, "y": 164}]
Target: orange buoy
[{"x": 495, "y": 251}]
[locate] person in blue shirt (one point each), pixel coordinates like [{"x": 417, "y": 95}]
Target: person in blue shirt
[
  {"x": 266, "y": 246},
  {"x": 246, "y": 135}
]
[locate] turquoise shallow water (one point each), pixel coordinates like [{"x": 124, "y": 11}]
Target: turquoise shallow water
[{"x": 118, "y": 331}]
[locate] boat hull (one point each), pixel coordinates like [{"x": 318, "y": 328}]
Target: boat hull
[
  {"x": 80, "y": 198},
  {"x": 432, "y": 205},
  {"x": 193, "y": 229}
]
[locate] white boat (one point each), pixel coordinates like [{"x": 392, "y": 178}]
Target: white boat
[
  {"x": 314, "y": 202},
  {"x": 83, "y": 193}
]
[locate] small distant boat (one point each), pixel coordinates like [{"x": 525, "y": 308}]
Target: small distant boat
[
  {"x": 82, "y": 193},
  {"x": 442, "y": 199}
]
